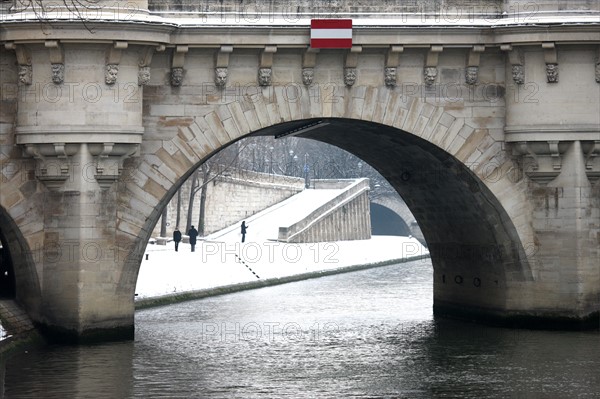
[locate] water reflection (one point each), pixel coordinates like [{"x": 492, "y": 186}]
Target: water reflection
[
  {"x": 367, "y": 334},
  {"x": 2, "y": 373},
  {"x": 103, "y": 371},
  {"x": 479, "y": 361}
]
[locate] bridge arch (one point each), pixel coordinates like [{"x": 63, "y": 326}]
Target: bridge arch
[
  {"x": 456, "y": 179},
  {"x": 433, "y": 112},
  {"x": 18, "y": 261},
  {"x": 7, "y": 274},
  {"x": 384, "y": 221},
  {"x": 396, "y": 205}
]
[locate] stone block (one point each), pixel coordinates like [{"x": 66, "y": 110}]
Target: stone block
[{"x": 216, "y": 126}]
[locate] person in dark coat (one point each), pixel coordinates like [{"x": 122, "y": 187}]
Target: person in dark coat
[
  {"x": 193, "y": 233},
  {"x": 176, "y": 238},
  {"x": 244, "y": 227}
]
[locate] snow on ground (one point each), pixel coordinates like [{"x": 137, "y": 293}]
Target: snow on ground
[
  {"x": 221, "y": 259},
  {"x": 218, "y": 263},
  {"x": 264, "y": 225}
]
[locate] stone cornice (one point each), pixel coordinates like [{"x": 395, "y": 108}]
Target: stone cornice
[
  {"x": 77, "y": 134},
  {"x": 296, "y": 35},
  {"x": 552, "y": 132},
  {"x": 74, "y": 32}
]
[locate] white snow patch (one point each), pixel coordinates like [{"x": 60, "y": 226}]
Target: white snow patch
[
  {"x": 216, "y": 264},
  {"x": 264, "y": 226}
]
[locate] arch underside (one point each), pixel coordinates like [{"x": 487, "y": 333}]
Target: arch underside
[
  {"x": 385, "y": 221},
  {"x": 7, "y": 276},
  {"x": 456, "y": 210},
  {"x": 470, "y": 236},
  {"x": 27, "y": 290}
]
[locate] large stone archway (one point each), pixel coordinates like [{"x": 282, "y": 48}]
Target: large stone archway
[
  {"x": 476, "y": 219},
  {"x": 476, "y": 242},
  {"x": 97, "y": 131}
]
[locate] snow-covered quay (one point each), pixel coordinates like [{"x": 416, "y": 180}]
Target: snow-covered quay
[
  {"x": 221, "y": 263},
  {"x": 225, "y": 266}
]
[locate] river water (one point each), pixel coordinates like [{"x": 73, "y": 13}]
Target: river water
[{"x": 368, "y": 334}]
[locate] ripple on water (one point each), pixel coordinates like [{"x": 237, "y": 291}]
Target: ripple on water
[{"x": 368, "y": 334}]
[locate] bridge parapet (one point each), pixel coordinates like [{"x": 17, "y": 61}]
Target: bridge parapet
[
  {"x": 253, "y": 12},
  {"x": 451, "y": 11}
]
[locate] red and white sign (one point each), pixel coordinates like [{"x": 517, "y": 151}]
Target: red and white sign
[{"x": 331, "y": 33}]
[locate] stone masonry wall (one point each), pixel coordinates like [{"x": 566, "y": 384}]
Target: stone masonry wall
[
  {"x": 346, "y": 217},
  {"x": 232, "y": 197},
  {"x": 292, "y": 8},
  {"x": 454, "y": 125}
]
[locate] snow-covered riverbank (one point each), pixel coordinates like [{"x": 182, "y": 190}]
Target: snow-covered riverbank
[{"x": 167, "y": 273}]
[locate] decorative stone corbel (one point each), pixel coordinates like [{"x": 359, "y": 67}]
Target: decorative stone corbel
[
  {"x": 430, "y": 71},
  {"x": 473, "y": 59},
  {"x": 103, "y": 178},
  {"x": 350, "y": 65},
  {"x": 222, "y": 65},
  {"x": 522, "y": 148},
  {"x": 515, "y": 57},
  {"x": 109, "y": 160},
  {"x": 177, "y": 65},
  {"x": 555, "y": 154},
  {"x": 592, "y": 158},
  {"x": 144, "y": 74},
  {"x": 59, "y": 150},
  {"x": 542, "y": 161},
  {"x": 265, "y": 66},
  {"x": 57, "y": 61},
  {"x": 113, "y": 59},
  {"x": 309, "y": 61},
  {"x": 392, "y": 59},
  {"x": 592, "y": 166},
  {"x": 591, "y": 154},
  {"x": 24, "y": 61},
  {"x": 551, "y": 59},
  {"x": 52, "y": 170}
]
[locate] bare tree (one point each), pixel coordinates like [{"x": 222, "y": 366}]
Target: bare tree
[
  {"x": 178, "y": 213},
  {"x": 163, "y": 222},
  {"x": 205, "y": 176},
  {"x": 193, "y": 191},
  {"x": 211, "y": 170},
  {"x": 314, "y": 160},
  {"x": 216, "y": 166},
  {"x": 321, "y": 160}
]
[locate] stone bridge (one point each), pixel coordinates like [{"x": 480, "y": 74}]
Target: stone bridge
[{"x": 483, "y": 115}]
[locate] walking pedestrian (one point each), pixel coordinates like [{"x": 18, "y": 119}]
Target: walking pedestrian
[
  {"x": 176, "y": 238},
  {"x": 193, "y": 233},
  {"x": 244, "y": 227}
]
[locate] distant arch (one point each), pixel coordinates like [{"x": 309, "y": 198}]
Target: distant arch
[{"x": 386, "y": 222}]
